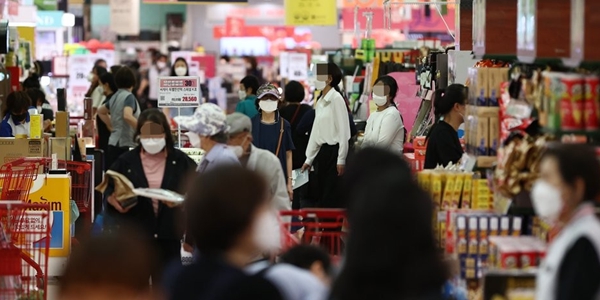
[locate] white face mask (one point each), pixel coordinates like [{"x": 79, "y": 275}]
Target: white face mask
[
  {"x": 161, "y": 64},
  {"x": 180, "y": 71},
  {"x": 90, "y": 77},
  {"x": 379, "y": 100},
  {"x": 242, "y": 94},
  {"x": 237, "y": 150},
  {"x": 268, "y": 105},
  {"x": 153, "y": 145},
  {"x": 267, "y": 232},
  {"x": 320, "y": 85},
  {"x": 546, "y": 201}
]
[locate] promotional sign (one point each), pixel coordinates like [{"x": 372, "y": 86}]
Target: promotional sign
[
  {"x": 49, "y": 19},
  {"x": 46, "y": 4},
  {"x": 311, "y": 12},
  {"x": 79, "y": 67},
  {"x": 54, "y": 190},
  {"x": 297, "y": 66},
  {"x": 125, "y": 17},
  {"x": 181, "y": 91}
]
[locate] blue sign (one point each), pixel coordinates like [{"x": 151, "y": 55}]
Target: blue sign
[{"x": 49, "y": 19}]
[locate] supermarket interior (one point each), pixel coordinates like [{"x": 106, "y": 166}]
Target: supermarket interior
[{"x": 377, "y": 149}]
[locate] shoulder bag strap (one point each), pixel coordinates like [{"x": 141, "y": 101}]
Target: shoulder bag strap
[
  {"x": 280, "y": 137},
  {"x": 295, "y": 114}
]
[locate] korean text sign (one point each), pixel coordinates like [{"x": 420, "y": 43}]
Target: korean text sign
[{"x": 181, "y": 91}]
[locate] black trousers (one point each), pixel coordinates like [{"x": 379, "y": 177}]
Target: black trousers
[
  {"x": 113, "y": 154},
  {"x": 327, "y": 179},
  {"x": 167, "y": 252}
]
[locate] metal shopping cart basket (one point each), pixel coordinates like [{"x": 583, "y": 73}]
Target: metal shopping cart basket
[
  {"x": 24, "y": 244},
  {"x": 16, "y": 179},
  {"x": 323, "y": 227}
]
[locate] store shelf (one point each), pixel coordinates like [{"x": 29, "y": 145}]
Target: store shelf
[
  {"x": 511, "y": 273},
  {"x": 560, "y": 132}
]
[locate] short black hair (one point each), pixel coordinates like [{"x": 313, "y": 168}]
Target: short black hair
[
  {"x": 99, "y": 61},
  {"x": 35, "y": 95},
  {"x": 226, "y": 58},
  {"x": 17, "y": 102},
  {"x": 32, "y": 81},
  {"x": 156, "y": 116},
  {"x": 294, "y": 92},
  {"x": 251, "y": 81},
  {"x": 125, "y": 78},
  {"x": 577, "y": 161},
  {"x": 218, "y": 215},
  {"x": 109, "y": 78},
  {"x": 114, "y": 69},
  {"x": 304, "y": 256},
  {"x": 100, "y": 71}
]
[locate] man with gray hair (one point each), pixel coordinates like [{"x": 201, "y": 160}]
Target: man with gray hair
[{"x": 260, "y": 160}]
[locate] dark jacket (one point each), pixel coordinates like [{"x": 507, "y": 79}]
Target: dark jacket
[
  {"x": 293, "y": 113},
  {"x": 168, "y": 224}
]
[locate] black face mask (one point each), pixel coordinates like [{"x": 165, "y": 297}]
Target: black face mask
[{"x": 18, "y": 118}]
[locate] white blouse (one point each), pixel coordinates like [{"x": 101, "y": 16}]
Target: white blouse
[
  {"x": 385, "y": 130},
  {"x": 331, "y": 127}
]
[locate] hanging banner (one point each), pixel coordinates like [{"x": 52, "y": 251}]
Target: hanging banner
[
  {"x": 125, "y": 17},
  {"x": 178, "y": 91},
  {"x": 311, "y": 13}
]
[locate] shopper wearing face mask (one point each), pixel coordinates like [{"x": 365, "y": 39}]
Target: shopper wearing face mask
[
  {"x": 272, "y": 132},
  {"x": 209, "y": 131},
  {"x": 43, "y": 107},
  {"x": 159, "y": 69},
  {"x": 385, "y": 128},
  {"x": 443, "y": 145},
  {"x": 180, "y": 68},
  {"x": 96, "y": 92},
  {"x": 329, "y": 137},
  {"x": 256, "y": 159},
  {"x": 16, "y": 115},
  {"x": 565, "y": 196},
  {"x": 155, "y": 163},
  {"x": 247, "y": 105},
  {"x": 230, "y": 216}
]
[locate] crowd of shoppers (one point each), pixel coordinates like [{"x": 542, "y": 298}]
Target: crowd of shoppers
[{"x": 229, "y": 216}]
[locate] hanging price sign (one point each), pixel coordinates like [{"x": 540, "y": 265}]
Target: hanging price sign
[{"x": 181, "y": 91}]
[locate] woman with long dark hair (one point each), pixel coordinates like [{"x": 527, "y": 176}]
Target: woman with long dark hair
[
  {"x": 329, "y": 138},
  {"x": 155, "y": 163},
  {"x": 383, "y": 201},
  {"x": 385, "y": 128},
  {"x": 179, "y": 68},
  {"x": 443, "y": 145},
  {"x": 107, "y": 82}
]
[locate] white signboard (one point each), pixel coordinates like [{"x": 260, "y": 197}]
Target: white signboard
[
  {"x": 283, "y": 64},
  {"x": 180, "y": 91},
  {"x": 80, "y": 66},
  {"x": 297, "y": 66},
  {"x": 125, "y": 17}
]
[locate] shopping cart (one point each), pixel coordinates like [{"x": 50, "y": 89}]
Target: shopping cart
[
  {"x": 81, "y": 174},
  {"x": 17, "y": 177},
  {"x": 323, "y": 227},
  {"x": 24, "y": 244}
]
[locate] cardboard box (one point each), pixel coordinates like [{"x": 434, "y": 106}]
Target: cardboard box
[
  {"x": 494, "y": 139},
  {"x": 36, "y": 127},
  {"x": 483, "y": 136},
  {"x": 13, "y": 148},
  {"x": 61, "y": 147},
  {"x": 497, "y": 76},
  {"x": 482, "y": 86},
  {"x": 62, "y": 124}
]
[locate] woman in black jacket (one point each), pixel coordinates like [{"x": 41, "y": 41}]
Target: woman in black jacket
[{"x": 154, "y": 164}]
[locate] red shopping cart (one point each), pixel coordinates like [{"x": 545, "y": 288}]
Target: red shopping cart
[
  {"x": 16, "y": 179},
  {"x": 323, "y": 227},
  {"x": 24, "y": 246}
]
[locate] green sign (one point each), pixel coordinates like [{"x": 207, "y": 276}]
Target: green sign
[{"x": 46, "y": 4}]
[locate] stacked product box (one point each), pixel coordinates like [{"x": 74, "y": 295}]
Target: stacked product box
[
  {"x": 482, "y": 126},
  {"x": 515, "y": 252},
  {"x": 468, "y": 237}
]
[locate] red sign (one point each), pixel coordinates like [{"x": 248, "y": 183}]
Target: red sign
[
  {"x": 416, "y": 23},
  {"x": 269, "y": 32},
  {"x": 234, "y": 26}
]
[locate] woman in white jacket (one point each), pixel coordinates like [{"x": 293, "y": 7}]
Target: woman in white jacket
[
  {"x": 564, "y": 196},
  {"x": 385, "y": 127}
]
